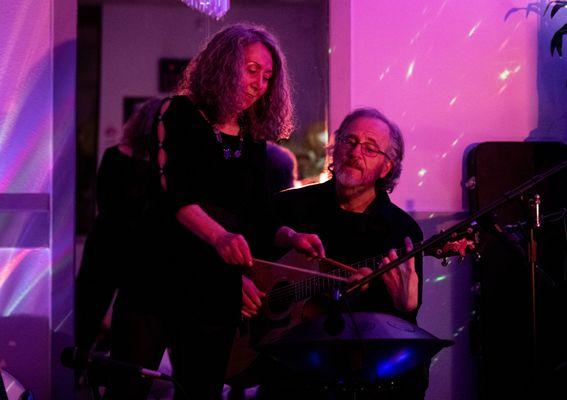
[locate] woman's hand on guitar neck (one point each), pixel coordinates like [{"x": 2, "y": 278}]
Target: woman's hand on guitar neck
[{"x": 251, "y": 298}]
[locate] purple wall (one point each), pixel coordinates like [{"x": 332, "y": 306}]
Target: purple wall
[{"x": 451, "y": 74}]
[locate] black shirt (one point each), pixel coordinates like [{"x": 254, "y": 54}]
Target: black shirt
[
  {"x": 351, "y": 237},
  {"x": 232, "y": 191},
  {"x": 108, "y": 257}
]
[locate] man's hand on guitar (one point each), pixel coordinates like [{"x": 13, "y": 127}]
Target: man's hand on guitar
[
  {"x": 361, "y": 273},
  {"x": 306, "y": 243},
  {"x": 251, "y": 298},
  {"x": 402, "y": 281}
]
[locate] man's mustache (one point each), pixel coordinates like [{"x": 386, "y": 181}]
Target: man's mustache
[{"x": 352, "y": 163}]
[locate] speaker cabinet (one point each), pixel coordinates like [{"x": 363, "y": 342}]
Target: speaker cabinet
[{"x": 504, "y": 336}]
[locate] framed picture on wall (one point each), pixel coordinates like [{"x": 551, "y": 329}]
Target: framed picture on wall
[{"x": 170, "y": 70}]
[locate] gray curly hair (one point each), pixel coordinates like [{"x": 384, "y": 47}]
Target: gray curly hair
[{"x": 395, "y": 150}]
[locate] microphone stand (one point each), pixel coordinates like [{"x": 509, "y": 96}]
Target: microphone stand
[
  {"x": 444, "y": 236},
  {"x": 535, "y": 225},
  {"x": 459, "y": 227}
]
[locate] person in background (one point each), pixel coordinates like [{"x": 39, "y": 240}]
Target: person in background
[
  {"x": 282, "y": 168},
  {"x": 107, "y": 262},
  {"x": 121, "y": 192}
]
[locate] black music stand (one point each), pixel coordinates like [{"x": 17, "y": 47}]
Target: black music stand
[{"x": 371, "y": 347}]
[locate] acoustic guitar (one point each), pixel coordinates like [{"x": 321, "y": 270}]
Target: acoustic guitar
[{"x": 291, "y": 299}]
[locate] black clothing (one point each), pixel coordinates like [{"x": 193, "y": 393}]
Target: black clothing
[
  {"x": 181, "y": 279},
  {"x": 233, "y": 192},
  {"x": 122, "y": 184},
  {"x": 349, "y": 238},
  {"x": 352, "y": 237}
]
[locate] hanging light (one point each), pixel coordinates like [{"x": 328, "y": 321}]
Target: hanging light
[{"x": 213, "y": 8}]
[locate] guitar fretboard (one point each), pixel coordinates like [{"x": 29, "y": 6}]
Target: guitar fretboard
[{"x": 314, "y": 285}]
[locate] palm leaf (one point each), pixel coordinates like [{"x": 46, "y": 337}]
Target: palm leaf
[
  {"x": 557, "y": 40},
  {"x": 512, "y": 11},
  {"x": 558, "y": 7},
  {"x": 532, "y": 7}
]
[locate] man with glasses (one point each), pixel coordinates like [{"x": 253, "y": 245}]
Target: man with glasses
[{"x": 355, "y": 220}]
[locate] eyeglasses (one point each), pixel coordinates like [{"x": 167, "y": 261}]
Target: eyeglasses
[{"x": 368, "y": 149}]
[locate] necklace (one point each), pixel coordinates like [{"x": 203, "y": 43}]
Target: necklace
[{"x": 227, "y": 152}]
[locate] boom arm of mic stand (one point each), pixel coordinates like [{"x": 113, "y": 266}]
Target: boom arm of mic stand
[{"x": 445, "y": 235}]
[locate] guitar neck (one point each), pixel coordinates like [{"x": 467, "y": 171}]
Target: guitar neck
[{"x": 315, "y": 285}]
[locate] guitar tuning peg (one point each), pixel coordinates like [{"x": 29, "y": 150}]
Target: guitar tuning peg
[
  {"x": 444, "y": 262},
  {"x": 477, "y": 256}
]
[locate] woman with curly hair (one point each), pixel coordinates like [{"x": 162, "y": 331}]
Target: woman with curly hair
[{"x": 210, "y": 210}]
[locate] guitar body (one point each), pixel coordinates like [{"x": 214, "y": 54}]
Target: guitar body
[
  {"x": 280, "y": 311},
  {"x": 293, "y": 297}
]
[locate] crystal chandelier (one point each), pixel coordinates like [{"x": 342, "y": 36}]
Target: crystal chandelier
[{"x": 213, "y": 8}]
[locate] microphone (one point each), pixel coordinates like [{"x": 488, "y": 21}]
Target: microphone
[{"x": 77, "y": 359}]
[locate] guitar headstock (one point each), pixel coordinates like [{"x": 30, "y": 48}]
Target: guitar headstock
[{"x": 459, "y": 245}]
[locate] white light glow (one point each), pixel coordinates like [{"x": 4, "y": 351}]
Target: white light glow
[
  {"x": 410, "y": 70},
  {"x": 504, "y": 74},
  {"x": 504, "y": 44},
  {"x": 474, "y": 28}
]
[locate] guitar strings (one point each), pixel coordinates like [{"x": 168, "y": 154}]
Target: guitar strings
[
  {"x": 309, "y": 285},
  {"x": 306, "y": 285}
]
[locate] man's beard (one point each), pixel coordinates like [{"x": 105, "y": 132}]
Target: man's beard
[
  {"x": 353, "y": 177},
  {"x": 347, "y": 179}
]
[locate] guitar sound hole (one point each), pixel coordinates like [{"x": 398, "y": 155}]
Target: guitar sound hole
[{"x": 281, "y": 297}]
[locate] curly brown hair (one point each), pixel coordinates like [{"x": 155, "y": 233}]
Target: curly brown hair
[{"x": 216, "y": 71}]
